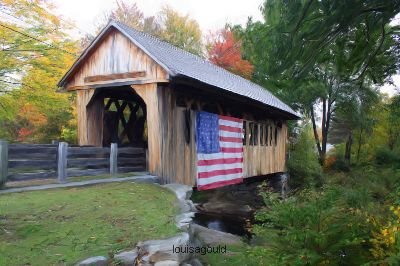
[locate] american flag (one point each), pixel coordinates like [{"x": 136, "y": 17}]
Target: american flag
[{"x": 219, "y": 150}]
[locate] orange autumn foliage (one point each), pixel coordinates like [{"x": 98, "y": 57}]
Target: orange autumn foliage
[
  {"x": 32, "y": 118},
  {"x": 225, "y": 52}
]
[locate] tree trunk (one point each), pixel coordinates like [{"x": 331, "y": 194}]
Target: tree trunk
[
  {"x": 316, "y": 137},
  {"x": 347, "y": 153},
  {"x": 323, "y": 131},
  {"x": 359, "y": 145}
]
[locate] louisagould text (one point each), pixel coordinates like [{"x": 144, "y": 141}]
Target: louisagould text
[{"x": 199, "y": 250}]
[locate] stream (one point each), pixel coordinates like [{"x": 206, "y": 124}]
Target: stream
[{"x": 231, "y": 209}]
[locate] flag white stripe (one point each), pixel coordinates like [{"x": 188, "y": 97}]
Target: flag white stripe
[
  {"x": 223, "y": 133},
  {"x": 217, "y": 178},
  {"x": 229, "y": 123},
  {"x": 208, "y": 168},
  {"x": 219, "y": 155},
  {"x": 223, "y": 144}
]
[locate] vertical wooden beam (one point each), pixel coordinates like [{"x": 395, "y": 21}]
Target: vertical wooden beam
[
  {"x": 82, "y": 99},
  {"x": 3, "y": 162},
  {"x": 62, "y": 162},
  {"x": 150, "y": 94},
  {"x": 114, "y": 159},
  {"x": 95, "y": 111}
]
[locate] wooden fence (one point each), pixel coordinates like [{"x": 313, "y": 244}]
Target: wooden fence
[{"x": 40, "y": 161}]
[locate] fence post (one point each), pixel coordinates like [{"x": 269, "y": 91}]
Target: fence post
[
  {"x": 114, "y": 159},
  {"x": 62, "y": 162},
  {"x": 3, "y": 162}
]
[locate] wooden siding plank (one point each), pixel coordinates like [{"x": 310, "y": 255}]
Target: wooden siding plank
[
  {"x": 115, "y": 54},
  {"x": 126, "y": 75}
]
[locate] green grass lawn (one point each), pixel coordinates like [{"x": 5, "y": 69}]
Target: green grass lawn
[{"x": 63, "y": 226}]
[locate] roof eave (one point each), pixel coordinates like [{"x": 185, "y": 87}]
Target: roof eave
[{"x": 288, "y": 115}]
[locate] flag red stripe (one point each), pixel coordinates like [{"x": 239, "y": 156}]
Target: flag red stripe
[
  {"x": 231, "y": 150},
  {"x": 230, "y": 139},
  {"x": 219, "y": 161},
  {"x": 220, "y": 184},
  {"x": 230, "y": 129},
  {"x": 220, "y": 172},
  {"x": 234, "y": 119}
]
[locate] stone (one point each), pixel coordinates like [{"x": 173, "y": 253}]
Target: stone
[
  {"x": 152, "y": 251},
  {"x": 94, "y": 261},
  {"x": 126, "y": 258},
  {"x": 182, "y": 192},
  {"x": 147, "y": 179},
  {"x": 194, "y": 262},
  {"x": 184, "y": 220},
  {"x": 214, "y": 237},
  {"x": 228, "y": 208},
  {"x": 167, "y": 263},
  {"x": 284, "y": 184}
]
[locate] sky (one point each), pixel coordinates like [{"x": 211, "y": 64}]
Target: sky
[{"x": 210, "y": 14}]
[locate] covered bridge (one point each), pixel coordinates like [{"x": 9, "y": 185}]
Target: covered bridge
[{"x": 137, "y": 90}]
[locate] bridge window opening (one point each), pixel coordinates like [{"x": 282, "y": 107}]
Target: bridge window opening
[
  {"x": 124, "y": 117},
  {"x": 255, "y": 136},
  {"x": 270, "y": 136},
  {"x": 244, "y": 136},
  {"x": 262, "y": 135}
]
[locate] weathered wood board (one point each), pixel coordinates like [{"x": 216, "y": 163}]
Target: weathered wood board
[{"x": 114, "y": 55}]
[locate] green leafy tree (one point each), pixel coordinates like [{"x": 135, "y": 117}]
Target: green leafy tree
[
  {"x": 180, "y": 30},
  {"x": 394, "y": 122},
  {"x": 302, "y": 164},
  {"x": 353, "y": 123},
  {"x": 321, "y": 53}
]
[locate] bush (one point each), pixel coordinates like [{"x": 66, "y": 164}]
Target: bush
[
  {"x": 316, "y": 228},
  {"x": 385, "y": 156},
  {"x": 354, "y": 219},
  {"x": 303, "y": 165},
  {"x": 335, "y": 159}
]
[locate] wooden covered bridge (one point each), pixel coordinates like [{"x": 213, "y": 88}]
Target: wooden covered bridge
[{"x": 137, "y": 90}]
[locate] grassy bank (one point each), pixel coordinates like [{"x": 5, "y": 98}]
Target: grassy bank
[{"x": 66, "y": 225}]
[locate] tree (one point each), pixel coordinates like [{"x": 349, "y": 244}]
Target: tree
[
  {"x": 169, "y": 25},
  {"x": 180, "y": 30},
  {"x": 225, "y": 51},
  {"x": 36, "y": 52},
  {"x": 303, "y": 164},
  {"x": 354, "y": 122},
  {"x": 394, "y": 122},
  {"x": 130, "y": 14},
  {"x": 322, "y": 53}
]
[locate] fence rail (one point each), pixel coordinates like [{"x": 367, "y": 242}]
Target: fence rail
[{"x": 42, "y": 161}]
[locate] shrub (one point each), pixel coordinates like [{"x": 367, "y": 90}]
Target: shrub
[
  {"x": 346, "y": 222},
  {"x": 385, "y": 156},
  {"x": 386, "y": 240},
  {"x": 303, "y": 165},
  {"x": 339, "y": 163},
  {"x": 315, "y": 228}
]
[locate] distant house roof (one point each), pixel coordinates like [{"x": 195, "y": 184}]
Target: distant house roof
[{"x": 180, "y": 63}]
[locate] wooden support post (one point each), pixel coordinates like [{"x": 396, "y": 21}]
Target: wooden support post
[
  {"x": 114, "y": 159},
  {"x": 3, "y": 162},
  {"x": 62, "y": 162}
]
